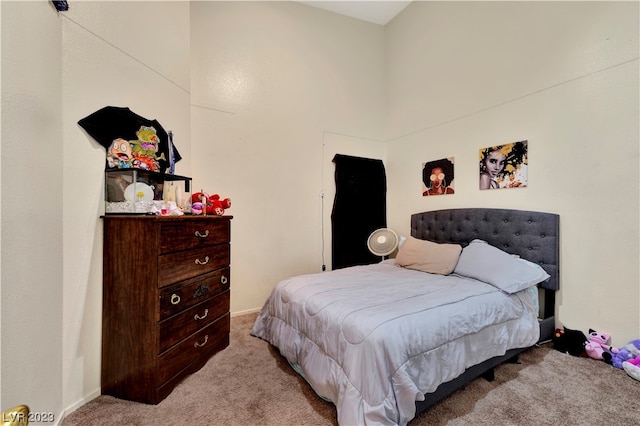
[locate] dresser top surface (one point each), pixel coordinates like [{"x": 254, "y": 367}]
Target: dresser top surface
[{"x": 164, "y": 218}]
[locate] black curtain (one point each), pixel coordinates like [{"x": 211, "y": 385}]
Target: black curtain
[{"x": 359, "y": 208}]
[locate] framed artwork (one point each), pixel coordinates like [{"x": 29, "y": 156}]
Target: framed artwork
[
  {"x": 437, "y": 177},
  {"x": 504, "y": 166}
]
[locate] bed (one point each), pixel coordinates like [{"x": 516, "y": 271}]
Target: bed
[{"x": 386, "y": 341}]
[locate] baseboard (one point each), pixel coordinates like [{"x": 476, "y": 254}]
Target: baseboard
[
  {"x": 70, "y": 409},
  {"x": 248, "y": 311}
]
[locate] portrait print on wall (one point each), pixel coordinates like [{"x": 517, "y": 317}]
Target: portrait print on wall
[
  {"x": 437, "y": 177},
  {"x": 504, "y": 166}
]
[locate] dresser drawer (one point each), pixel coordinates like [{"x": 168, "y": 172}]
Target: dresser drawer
[
  {"x": 182, "y": 265},
  {"x": 178, "y": 297},
  {"x": 211, "y": 338},
  {"x": 193, "y": 234},
  {"x": 179, "y": 326}
]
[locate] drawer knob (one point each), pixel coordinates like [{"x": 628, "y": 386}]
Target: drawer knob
[
  {"x": 224, "y": 280},
  {"x": 200, "y": 235},
  {"x": 203, "y": 262},
  {"x": 199, "y": 345},
  {"x": 198, "y": 317},
  {"x": 175, "y": 299}
]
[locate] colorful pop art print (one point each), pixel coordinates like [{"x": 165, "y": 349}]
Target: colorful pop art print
[
  {"x": 438, "y": 177},
  {"x": 504, "y": 166}
]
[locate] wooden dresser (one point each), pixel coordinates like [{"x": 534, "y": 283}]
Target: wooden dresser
[{"x": 165, "y": 308}]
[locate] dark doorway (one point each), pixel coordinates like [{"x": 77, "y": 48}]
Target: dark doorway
[{"x": 359, "y": 208}]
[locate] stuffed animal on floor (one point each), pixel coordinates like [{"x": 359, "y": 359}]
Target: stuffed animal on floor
[
  {"x": 630, "y": 351},
  {"x": 632, "y": 367},
  {"x": 569, "y": 341},
  {"x": 597, "y": 347}
]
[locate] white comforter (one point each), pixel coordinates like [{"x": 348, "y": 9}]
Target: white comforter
[{"x": 373, "y": 339}]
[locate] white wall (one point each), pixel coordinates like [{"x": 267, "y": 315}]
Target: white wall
[
  {"x": 272, "y": 84},
  {"x": 562, "y": 75},
  {"x": 305, "y": 84},
  {"x": 133, "y": 54},
  {"x": 31, "y": 221}
]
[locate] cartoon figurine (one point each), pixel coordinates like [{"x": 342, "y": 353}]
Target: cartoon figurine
[
  {"x": 145, "y": 148},
  {"x": 119, "y": 154}
]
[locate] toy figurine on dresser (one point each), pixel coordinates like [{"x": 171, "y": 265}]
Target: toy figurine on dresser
[{"x": 203, "y": 203}]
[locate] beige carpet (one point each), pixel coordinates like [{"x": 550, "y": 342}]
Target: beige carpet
[{"x": 249, "y": 383}]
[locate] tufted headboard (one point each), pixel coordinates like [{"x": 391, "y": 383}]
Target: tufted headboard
[{"x": 533, "y": 236}]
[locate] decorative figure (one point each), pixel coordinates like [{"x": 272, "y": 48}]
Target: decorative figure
[
  {"x": 437, "y": 177},
  {"x": 119, "y": 154},
  {"x": 145, "y": 149},
  {"x": 504, "y": 166}
]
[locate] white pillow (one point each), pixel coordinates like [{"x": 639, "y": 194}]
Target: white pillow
[{"x": 484, "y": 262}]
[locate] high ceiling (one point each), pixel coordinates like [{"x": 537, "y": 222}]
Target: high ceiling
[{"x": 378, "y": 12}]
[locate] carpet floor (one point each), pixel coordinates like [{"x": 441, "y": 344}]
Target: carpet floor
[{"x": 249, "y": 383}]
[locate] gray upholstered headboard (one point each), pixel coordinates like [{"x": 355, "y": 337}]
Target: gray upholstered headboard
[{"x": 531, "y": 235}]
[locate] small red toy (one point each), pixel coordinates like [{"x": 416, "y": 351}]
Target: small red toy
[
  {"x": 218, "y": 205},
  {"x": 212, "y": 203}
]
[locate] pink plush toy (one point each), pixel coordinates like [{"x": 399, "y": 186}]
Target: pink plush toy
[
  {"x": 632, "y": 367},
  {"x": 597, "y": 347}
]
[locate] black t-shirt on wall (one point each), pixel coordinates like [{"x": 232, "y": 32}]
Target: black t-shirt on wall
[{"x": 131, "y": 141}]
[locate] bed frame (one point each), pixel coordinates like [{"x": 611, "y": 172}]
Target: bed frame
[{"x": 533, "y": 236}]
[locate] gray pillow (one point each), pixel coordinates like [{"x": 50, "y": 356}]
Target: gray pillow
[{"x": 484, "y": 262}]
